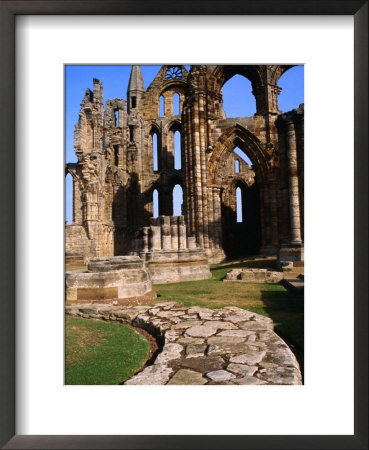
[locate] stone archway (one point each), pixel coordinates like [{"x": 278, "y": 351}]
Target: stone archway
[{"x": 259, "y": 227}]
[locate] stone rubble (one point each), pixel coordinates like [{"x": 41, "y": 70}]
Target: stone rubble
[
  {"x": 254, "y": 276},
  {"x": 198, "y": 351}
]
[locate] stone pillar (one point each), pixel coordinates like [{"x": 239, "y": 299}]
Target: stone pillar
[
  {"x": 266, "y": 97},
  {"x": 165, "y": 233},
  {"x": 204, "y": 169},
  {"x": 293, "y": 186},
  {"x": 155, "y": 238},
  {"x": 182, "y": 238},
  {"x": 192, "y": 242},
  {"x": 174, "y": 231},
  {"x": 145, "y": 239},
  {"x": 217, "y": 217}
]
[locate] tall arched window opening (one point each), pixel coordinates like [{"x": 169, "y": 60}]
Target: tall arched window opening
[
  {"x": 116, "y": 155},
  {"x": 176, "y": 105},
  {"x": 69, "y": 199},
  {"x": 116, "y": 115},
  {"x": 292, "y": 84},
  {"x": 236, "y": 166},
  {"x": 239, "y": 205},
  {"x": 177, "y": 200},
  {"x": 161, "y": 106},
  {"x": 177, "y": 151},
  {"x": 155, "y": 202},
  {"x": 155, "y": 152},
  {"x": 238, "y": 100}
]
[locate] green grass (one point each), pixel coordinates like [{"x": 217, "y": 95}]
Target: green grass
[
  {"x": 272, "y": 300},
  {"x": 98, "y": 352}
]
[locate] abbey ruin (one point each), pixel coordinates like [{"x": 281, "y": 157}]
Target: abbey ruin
[{"x": 126, "y": 157}]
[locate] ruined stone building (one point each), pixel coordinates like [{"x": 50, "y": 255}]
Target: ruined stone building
[{"x": 126, "y": 157}]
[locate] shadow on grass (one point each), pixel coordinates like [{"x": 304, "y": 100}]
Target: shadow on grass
[{"x": 286, "y": 309}]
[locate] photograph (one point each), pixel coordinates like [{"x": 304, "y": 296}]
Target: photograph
[{"x": 184, "y": 224}]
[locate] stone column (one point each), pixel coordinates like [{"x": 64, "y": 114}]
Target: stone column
[
  {"x": 293, "y": 185},
  {"x": 155, "y": 238},
  {"x": 174, "y": 231},
  {"x": 145, "y": 239},
  {"x": 182, "y": 238},
  {"x": 217, "y": 216},
  {"x": 165, "y": 232}
]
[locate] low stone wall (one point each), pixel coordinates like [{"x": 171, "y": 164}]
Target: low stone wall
[
  {"x": 169, "y": 253},
  {"x": 182, "y": 265},
  {"x": 254, "y": 276},
  {"x": 116, "y": 278},
  {"x": 205, "y": 346}
]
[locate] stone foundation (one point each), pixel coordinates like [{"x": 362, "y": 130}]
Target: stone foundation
[
  {"x": 169, "y": 254},
  {"x": 254, "y": 276},
  {"x": 204, "y": 346},
  {"x": 115, "y": 279}
]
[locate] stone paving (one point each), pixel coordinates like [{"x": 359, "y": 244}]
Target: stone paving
[{"x": 204, "y": 346}]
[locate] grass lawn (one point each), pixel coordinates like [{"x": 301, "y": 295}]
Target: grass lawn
[
  {"x": 272, "y": 300},
  {"x": 98, "y": 352}
]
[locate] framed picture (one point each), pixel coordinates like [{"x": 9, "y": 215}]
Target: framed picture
[{"x": 192, "y": 419}]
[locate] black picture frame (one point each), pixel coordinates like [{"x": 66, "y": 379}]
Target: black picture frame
[{"x": 8, "y": 10}]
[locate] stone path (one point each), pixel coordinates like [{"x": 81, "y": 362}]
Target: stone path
[{"x": 205, "y": 346}]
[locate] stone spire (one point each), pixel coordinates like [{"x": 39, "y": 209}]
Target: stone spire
[{"x": 136, "y": 88}]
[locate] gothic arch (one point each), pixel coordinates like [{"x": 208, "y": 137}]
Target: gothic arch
[{"x": 238, "y": 136}]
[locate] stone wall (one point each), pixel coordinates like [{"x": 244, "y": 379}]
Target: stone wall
[{"x": 113, "y": 280}]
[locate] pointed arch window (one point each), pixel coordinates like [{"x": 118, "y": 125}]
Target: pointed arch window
[
  {"x": 176, "y": 104},
  {"x": 237, "y": 166},
  {"x": 155, "y": 151},
  {"x": 161, "y": 106},
  {"x": 239, "y": 205},
  {"x": 242, "y": 155},
  {"x": 177, "y": 151},
  {"x": 177, "y": 200},
  {"x": 155, "y": 203}
]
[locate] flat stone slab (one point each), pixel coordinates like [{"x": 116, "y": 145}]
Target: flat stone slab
[
  {"x": 254, "y": 276},
  {"x": 187, "y": 377},
  {"x": 224, "y": 346}
]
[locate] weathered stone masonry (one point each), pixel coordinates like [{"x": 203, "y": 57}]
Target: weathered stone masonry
[{"x": 115, "y": 178}]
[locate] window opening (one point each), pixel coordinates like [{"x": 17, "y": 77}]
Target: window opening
[
  {"x": 116, "y": 155},
  {"x": 243, "y": 156},
  {"x": 155, "y": 151},
  {"x": 236, "y": 166},
  {"x": 177, "y": 200},
  {"x": 155, "y": 201},
  {"x": 238, "y": 99},
  {"x": 173, "y": 72},
  {"x": 133, "y": 102},
  {"x": 131, "y": 137},
  {"x": 176, "y": 105},
  {"x": 161, "y": 106},
  {"x": 239, "y": 205},
  {"x": 177, "y": 151},
  {"x": 116, "y": 114},
  {"x": 292, "y": 84}
]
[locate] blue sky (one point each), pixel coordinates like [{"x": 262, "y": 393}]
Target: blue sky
[{"x": 237, "y": 97}]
